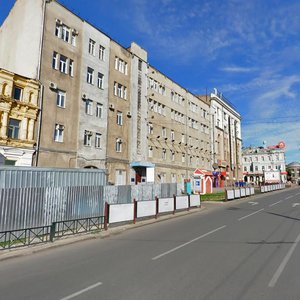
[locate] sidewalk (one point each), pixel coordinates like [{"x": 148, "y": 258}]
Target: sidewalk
[{"x": 112, "y": 230}]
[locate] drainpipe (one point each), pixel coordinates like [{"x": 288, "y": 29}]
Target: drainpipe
[{"x": 42, "y": 87}]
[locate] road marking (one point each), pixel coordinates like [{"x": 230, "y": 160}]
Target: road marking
[
  {"x": 82, "y": 291},
  {"x": 297, "y": 194},
  {"x": 187, "y": 243},
  {"x": 242, "y": 218},
  {"x": 275, "y": 203},
  {"x": 253, "y": 203},
  {"x": 296, "y": 204},
  {"x": 284, "y": 263},
  {"x": 289, "y": 197}
]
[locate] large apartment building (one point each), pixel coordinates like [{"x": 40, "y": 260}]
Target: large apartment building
[
  {"x": 178, "y": 129},
  {"x": 226, "y": 141},
  {"x": 103, "y": 106}
]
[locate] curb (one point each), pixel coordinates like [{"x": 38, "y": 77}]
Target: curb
[{"x": 29, "y": 250}]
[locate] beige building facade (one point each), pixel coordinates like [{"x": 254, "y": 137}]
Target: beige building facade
[
  {"x": 119, "y": 115},
  {"x": 178, "y": 130},
  {"x": 19, "y": 109}
]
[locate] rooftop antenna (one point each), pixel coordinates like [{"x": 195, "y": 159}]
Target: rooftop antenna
[{"x": 264, "y": 143}]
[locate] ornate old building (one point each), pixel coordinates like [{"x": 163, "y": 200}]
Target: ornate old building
[{"x": 18, "y": 115}]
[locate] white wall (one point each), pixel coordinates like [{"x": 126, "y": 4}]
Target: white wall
[{"x": 20, "y": 38}]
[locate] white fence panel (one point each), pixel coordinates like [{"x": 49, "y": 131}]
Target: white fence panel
[
  {"x": 248, "y": 192},
  {"x": 165, "y": 205},
  {"x": 195, "y": 200},
  {"x": 237, "y": 193},
  {"x": 243, "y": 192},
  {"x": 182, "y": 202},
  {"x": 252, "y": 192},
  {"x": 146, "y": 208},
  {"x": 121, "y": 212},
  {"x": 263, "y": 189},
  {"x": 230, "y": 194}
]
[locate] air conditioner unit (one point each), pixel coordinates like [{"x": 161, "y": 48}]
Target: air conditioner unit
[
  {"x": 84, "y": 96},
  {"x": 53, "y": 85},
  {"x": 111, "y": 106},
  {"x": 128, "y": 114}
]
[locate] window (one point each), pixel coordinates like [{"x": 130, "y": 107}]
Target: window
[
  {"x": 172, "y": 135},
  {"x": 173, "y": 155},
  {"x": 183, "y": 158},
  {"x": 99, "y": 110},
  {"x": 164, "y": 154},
  {"x": 98, "y": 140},
  {"x": 256, "y": 168},
  {"x": 92, "y": 47},
  {"x": 55, "y": 60},
  {"x": 101, "y": 53},
  {"x": 63, "y": 64},
  {"x": 118, "y": 145},
  {"x": 58, "y": 30},
  {"x": 182, "y": 138},
  {"x": 120, "y": 90},
  {"x": 100, "y": 80},
  {"x": 71, "y": 67},
  {"x": 164, "y": 132},
  {"x": 121, "y": 65},
  {"x": 150, "y": 128},
  {"x": 73, "y": 37},
  {"x": 89, "y": 107},
  {"x": 87, "y": 140},
  {"x": 119, "y": 118},
  {"x": 13, "y": 128},
  {"x": 17, "y": 93},
  {"x": 90, "y": 75},
  {"x": 59, "y": 133},
  {"x": 140, "y": 65},
  {"x": 65, "y": 33},
  {"x": 150, "y": 151},
  {"x": 60, "y": 98}
]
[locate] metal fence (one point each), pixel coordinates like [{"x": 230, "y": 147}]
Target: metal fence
[
  {"x": 43, "y": 234},
  {"x": 33, "y": 207},
  {"x": 35, "y": 197},
  {"x": 17, "y": 177}
]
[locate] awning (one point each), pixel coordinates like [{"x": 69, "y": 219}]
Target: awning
[
  {"x": 145, "y": 164},
  {"x": 283, "y": 172},
  {"x": 202, "y": 172}
]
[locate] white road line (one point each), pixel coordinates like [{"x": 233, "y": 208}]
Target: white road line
[
  {"x": 275, "y": 203},
  {"x": 289, "y": 197},
  {"x": 82, "y": 291},
  {"x": 242, "y": 218},
  {"x": 284, "y": 263},
  {"x": 187, "y": 243}
]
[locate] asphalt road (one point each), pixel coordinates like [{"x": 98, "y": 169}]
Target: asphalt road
[{"x": 246, "y": 249}]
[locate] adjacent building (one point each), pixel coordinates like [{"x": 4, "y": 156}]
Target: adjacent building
[
  {"x": 294, "y": 171},
  {"x": 18, "y": 115},
  {"x": 260, "y": 161},
  {"x": 225, "y": 139}
]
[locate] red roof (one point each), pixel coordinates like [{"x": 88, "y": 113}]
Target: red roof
[{"x": 202, "y": 172}]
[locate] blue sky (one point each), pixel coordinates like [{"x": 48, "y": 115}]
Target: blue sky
[{"x": 249, "y": 50}]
